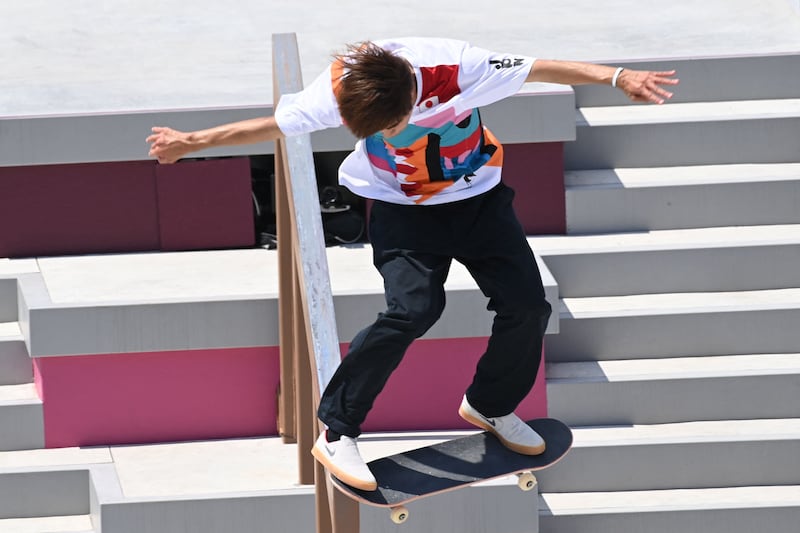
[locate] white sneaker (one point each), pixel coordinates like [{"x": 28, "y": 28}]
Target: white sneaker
[
  {"x": 510, "y": 429},
  {"x": 343, "y": 460}
]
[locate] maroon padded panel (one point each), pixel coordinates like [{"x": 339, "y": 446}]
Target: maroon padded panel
[
  {"x": 78, "y": 209},
  {"x": 536, "y": 172},
  {"x": 205, "y": 204}
]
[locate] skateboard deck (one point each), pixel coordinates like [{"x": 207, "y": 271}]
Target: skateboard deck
[{"x": 457, "y": 463}]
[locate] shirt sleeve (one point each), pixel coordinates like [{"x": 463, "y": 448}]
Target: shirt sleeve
[
  {"x": 312, "y": 109},
  {"x": 486, "y": 77}
]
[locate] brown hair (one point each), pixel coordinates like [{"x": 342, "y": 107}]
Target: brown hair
[{"x": 373, "y": 88}]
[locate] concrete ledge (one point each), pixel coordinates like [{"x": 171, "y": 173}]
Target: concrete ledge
[
  {"x": 209, "y": 300},
  {"x": 643, "y": 199},
  {"x": 15, "y": 365},
  {"x": 8, "y": 299},
  {"x": 695, "y": 455},
  {"x": 726, "y": 510},
  {"x": 120, "y": 503},
  {"x": 21, "y": 417},
  {"x": 50, "y": 524},
  {"x": 711, "y": 79},
  {"x": 60, "y": 139},
  {"x": 685, "y": 134},
  {"x": 10, "y": 269},
  {"x": 664, "y": 325},
  {"x": 668, "y": 390},
  {"x": 739, "y": 258},
  {"x": 115, "y": 136},
  {"x": 41, "y": 492}
]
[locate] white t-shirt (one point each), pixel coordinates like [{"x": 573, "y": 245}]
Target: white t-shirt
[{"x": 445, "y": 154}]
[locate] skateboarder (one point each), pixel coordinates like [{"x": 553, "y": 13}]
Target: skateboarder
[{"x": 434, "y": 172}]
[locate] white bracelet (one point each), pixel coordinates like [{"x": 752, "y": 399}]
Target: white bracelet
[{"x": 616, "y": 76}]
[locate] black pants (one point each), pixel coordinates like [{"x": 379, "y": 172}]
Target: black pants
[{"x": 413, "y": 247}]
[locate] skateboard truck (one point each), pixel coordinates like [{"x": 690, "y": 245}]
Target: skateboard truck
[{"x": 525, "y": 481}]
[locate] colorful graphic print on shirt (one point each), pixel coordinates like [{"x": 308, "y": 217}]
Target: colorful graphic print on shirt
[{"x": 438, "y": 148}]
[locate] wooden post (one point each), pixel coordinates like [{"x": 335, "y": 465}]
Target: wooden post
[
  {"x": 286, "y": 282},
  {"x": 305, "y": 402}
]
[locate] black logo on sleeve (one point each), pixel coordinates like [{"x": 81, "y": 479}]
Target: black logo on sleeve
[{"x": 506, "y": 62}]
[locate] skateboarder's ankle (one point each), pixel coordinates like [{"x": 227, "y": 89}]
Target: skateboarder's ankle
[{"x": 332, "y": 436}]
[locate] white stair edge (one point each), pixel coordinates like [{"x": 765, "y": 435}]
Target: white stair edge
[
  {"x": 12, "y": 267},
  {"x": 631, "y": 178},
  {"x": 679, "y": 303},
  {"x": 53, "y": 457},
  {"x": 716, "y": 431},
  {"x": 19, "y": 394},
  {"x": 687, "y": 112},
  {"x": 10, "y": 331},
  {"x": 655, "y": 240},
  {"x": 48, "y": 524},
  {"x": 668, "y": 500},
  {"x": 674, "y": 368}
]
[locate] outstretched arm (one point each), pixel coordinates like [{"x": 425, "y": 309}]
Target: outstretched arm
[
  {"x": 168, "y": 145},
  {"x": 638, "y": 85}
]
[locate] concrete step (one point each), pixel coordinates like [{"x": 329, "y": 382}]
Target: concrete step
[
  {"x": 8, "y": 292},
  {"x": 685, "y": 389},
  {"x": 15, "y": 365},
  {"x": 713, "y": 133},
  {"x": 653, "y": 326},
  {"x": 673, "y": 261},
  {"x": 643, "y": 199},
  {"x": 21, "y": 418},
  {"x": 43, "y": 492},
  {"x": 49, "y": 524},
  {"x": 724, "y": 510},
  {"x": 693, "y": 455},
  {"x": 710, "y": 79}
]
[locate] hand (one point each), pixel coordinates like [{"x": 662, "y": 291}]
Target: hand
[
  {"x": 168, "y": 145},
  {"x": 646, "y": 86}
]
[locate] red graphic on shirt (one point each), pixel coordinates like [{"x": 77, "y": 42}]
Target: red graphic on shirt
[{"x": 439, "y": 84}]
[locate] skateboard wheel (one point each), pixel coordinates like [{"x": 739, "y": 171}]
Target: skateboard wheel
[
  {"x": 399, "y": 515},
  {"x": 526, "y": 481}
]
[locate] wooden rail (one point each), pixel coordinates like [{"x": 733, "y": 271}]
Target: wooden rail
[{"x": 309, "y": 342}]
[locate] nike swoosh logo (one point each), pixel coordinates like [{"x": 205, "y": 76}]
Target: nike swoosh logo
[
  {"x": 331, "y": 451},
  {"x": 489, "y": 420}
]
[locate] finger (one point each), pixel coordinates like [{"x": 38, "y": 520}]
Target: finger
[
  {"x": 655, "y": 98},
  {"x": 663, "y": 92}
]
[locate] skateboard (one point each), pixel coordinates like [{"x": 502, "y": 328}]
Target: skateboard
[{"x": 454, "y": 464}]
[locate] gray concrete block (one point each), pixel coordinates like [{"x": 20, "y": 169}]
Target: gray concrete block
[
  {"x": 8, "y": 299},
  {"x": 120, "y": 136},
  {"x": 692, "y": 333},
  {"x": 710, "y": 79},
  {"x": 726, "y": 266},
  {"x": 688, "y": 138},
  {"x": 15, "y": 365},
  {"x": 44, "y": 492},
  {"x": 680, "y": 456},
  {"x": 148, "y": 328},
  {"x": 288, "y": 512},
  {"x": 606, "y": 203},
  {"x": 587, "y": 403},
  {"x": 22, "y": 423},
  {"x": 709, "y": 511}
]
